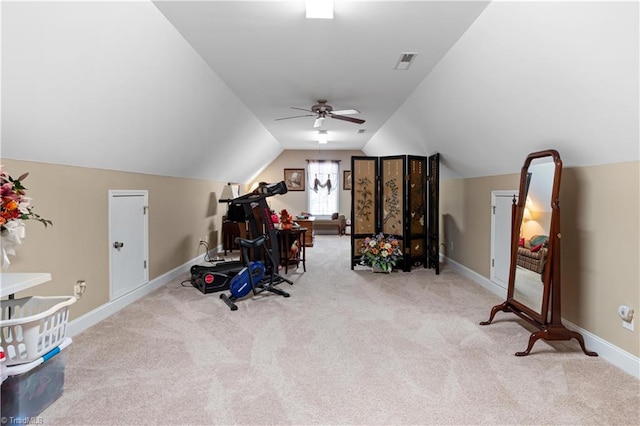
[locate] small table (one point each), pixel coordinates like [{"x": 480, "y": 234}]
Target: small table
[
  {"x": 286, "y": 237},
  {"x": 308, "y": 224},
  {"x": 11, "y": 283}
]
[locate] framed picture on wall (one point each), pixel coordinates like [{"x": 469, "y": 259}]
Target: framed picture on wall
[
  {"x": 346, "y": 180},
  {"x": 294, "y": 179}
]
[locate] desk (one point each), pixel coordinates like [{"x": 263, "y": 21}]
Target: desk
[
  {"x": 230, "y": 231},
  {"x": 286, "y": 237},
  {"x": 308, "y": 224},
  {"x": 11, "y": 283}
]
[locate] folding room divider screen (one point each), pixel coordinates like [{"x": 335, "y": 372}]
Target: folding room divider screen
[{"x": 398, "y": 196}]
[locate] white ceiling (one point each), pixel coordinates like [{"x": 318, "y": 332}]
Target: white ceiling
[
  {"x": 193, "y": 88},
  {"x": 273, "y": 58}
]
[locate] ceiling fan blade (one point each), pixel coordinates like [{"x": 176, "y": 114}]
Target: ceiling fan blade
[
  {"x": 346, "y": 112},
  {"x": 318, "y": 122},
  {"x": 295, "y": 116},
  {"x": 345, "y": 118}
]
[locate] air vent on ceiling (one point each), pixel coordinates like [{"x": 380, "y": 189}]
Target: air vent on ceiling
[
  {"x": 406, "y": 58},
  {"x": 360, "y": 131}
]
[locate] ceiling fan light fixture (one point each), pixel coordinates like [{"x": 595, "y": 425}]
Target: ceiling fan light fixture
[
  {"x": 346, "y": 112},
  {"x": 323, "y": 137},
  {"x": 319, "y": 9},
  {"x": 318, "y": 122}
]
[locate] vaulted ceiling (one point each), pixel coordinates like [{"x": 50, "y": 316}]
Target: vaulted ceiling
[
  {"x": 273, "y": 58},
  {"x": 195, "y": 88}
]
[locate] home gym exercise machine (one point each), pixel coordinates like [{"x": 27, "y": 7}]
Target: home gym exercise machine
[
  {"x": 257, "y": 272},
  {"x": 258, "y": 276}
]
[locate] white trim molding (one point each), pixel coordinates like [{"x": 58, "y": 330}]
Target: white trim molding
[{"x": 622, "y": 359}]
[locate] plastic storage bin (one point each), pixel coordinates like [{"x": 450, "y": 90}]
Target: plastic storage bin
[
  {"x": 32, "y": 387},
  {"x": 32, "y": 326},
  {"x": 3, "y": 367}
]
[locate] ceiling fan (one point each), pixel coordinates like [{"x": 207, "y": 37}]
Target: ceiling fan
[{"x": 322, "y": 110}]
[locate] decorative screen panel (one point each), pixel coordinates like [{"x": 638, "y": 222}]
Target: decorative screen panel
[
  {"x": 364, "y": 202},
  {"x": 417, "y": 172},
  {"x": 389, "y": 195},
  {"x": 434, "y": 213},
  {"x": 364, "y": 181},
  {"x": 392, "y": 191}
]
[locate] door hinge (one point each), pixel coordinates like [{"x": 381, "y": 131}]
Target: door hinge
[
  {"x": 494, "y": 209},
  {"x": 145, "y": 265},
  {"x": 493, "y": 263},
  {"x": 144, "y": 209}
]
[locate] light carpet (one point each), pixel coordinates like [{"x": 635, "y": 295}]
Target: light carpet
[{"x": 348, "y": 347}]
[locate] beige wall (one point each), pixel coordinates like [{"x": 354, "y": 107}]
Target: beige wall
[
  {"x": 600, "y": 241},
  {"x": 181, "y": 212},
  {"x": 296, "y": 201},
  {"x": 600, "y": 229}
]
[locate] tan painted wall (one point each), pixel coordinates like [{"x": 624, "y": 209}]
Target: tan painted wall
[
  {"x": 600, "y": 227},
  {"x": 181, "y": 212},
  {"x": 296, "y": 201},
  {"x": 465, "y": 209}
]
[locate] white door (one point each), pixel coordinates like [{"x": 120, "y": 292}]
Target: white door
[
  {"x": 128, "y": 229},
  {"x": 501, "y": 202}
]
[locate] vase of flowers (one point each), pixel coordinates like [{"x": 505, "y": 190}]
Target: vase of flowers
[
  {"x": 16, "y": 208},
  {"x": 380, "y": 252},
  {"x": 285, "y": 219}
]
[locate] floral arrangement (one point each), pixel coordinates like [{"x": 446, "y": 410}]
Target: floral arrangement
[
  {"x": 380, "y": 251},
  {"x": 15, "y": 204},
  {"x": 285, "y": 217},
  {"x": 16, "y": 207}
]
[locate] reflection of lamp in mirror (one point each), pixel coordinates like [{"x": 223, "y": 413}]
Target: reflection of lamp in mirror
[{"x": 527, "y": 214}]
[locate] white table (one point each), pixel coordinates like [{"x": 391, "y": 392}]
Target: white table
[{"x": 11, "y": 283}]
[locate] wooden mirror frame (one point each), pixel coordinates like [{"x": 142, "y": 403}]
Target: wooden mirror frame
[
  {"x": 539, "y": 314},
  {"x": 548, "y": 319}
]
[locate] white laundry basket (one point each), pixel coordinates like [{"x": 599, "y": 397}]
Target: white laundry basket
[{"x": 32, "y": 326}]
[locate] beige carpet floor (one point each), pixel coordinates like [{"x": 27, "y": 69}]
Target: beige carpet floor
[{"x": 348, "y": 347}]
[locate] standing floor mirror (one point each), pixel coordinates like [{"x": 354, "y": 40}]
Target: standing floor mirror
[{"x": 533, "y": 293}]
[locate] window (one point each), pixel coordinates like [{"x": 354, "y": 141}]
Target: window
[{"x": 323, "y": 187}]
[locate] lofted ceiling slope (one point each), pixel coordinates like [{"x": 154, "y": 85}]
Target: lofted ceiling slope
[
  {"x": 194, "y": 88},
  {"x": 273, "y": 58}
]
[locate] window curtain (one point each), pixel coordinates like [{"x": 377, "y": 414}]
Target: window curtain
[{"x": 322, "y": 178}]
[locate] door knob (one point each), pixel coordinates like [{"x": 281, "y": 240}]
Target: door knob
[{"x": 118, "y": 245}]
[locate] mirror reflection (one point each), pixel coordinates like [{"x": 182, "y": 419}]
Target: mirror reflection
[{"x": 534, "y": 234}]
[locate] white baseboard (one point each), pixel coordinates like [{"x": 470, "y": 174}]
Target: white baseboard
[
  {"x": 608, "y": 351},
  {"x": 616, "y": 356},
  {"x": 93, "y": 317},
  {"x": 477, "y": 278}
]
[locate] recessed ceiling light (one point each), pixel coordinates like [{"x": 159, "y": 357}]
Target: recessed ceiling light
[
  {"x": 406, "y": 58},
  {"x": 319, "y": 9}
]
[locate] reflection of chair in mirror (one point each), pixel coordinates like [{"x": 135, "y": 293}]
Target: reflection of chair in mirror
[
  {"x": 533, "y": 293},
  {"x": 532, "y": 254}
]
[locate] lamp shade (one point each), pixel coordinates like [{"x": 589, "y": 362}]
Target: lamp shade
[{"x": 228, "y": 193}]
